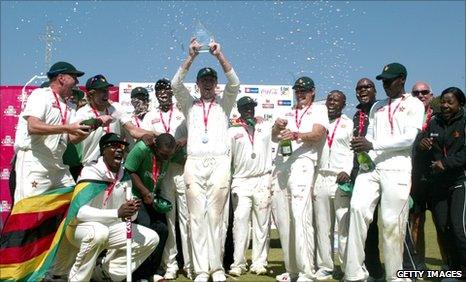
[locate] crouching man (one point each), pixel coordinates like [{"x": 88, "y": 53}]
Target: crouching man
[{"x": 100, "y": 224}]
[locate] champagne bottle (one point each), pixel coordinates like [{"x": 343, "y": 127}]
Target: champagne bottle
[
  {"x": 285, "y": 147},
  {"x": 365, "y": 162},
  {"x": 92, "y": 122}
]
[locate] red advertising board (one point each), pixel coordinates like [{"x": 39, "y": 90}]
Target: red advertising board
[{"x": 10, "y": 108}]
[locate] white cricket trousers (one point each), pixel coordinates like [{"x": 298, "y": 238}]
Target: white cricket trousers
[
  {"x": 251, "y": 199},
  {"x": 93, "y": 237},
  {"x": 331, "y": 208},
  {"x": 392, "y": 188},
  {"x": 207, "y": 181},
  {"x": 174, "y": 189},
  {"x": 32, "y": 178},
  {"x": 294, "y": 178}
]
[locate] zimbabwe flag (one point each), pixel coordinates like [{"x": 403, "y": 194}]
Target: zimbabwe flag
[{"x": 32, "y": 233}]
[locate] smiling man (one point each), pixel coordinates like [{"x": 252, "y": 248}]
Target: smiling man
[
  {"x": 167, "y": 118},
  {"x": 100, "y": 224},
  {"x": 252, "y": 165},
  {"x": 365, "y": 93},
  {"x": 113, "y": 115},
  {"x": 207, "y": 168},
  {"x": 46, "y": 129},
  {"x": 393, "y": 125},
  {"x": 330, "y": 203},
  {"x": 305, "y": 125}
]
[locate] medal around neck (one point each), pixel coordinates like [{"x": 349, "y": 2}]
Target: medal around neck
[
  {"x": 253, "y": 155},
  {"x": 203, "y": 36},
  {"x": 205, "y": 139}
]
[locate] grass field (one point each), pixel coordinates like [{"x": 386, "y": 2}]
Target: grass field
[{"x": 276, "y": 266}]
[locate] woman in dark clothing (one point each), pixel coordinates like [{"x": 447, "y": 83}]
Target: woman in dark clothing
[{"x": 446, "y": 144}]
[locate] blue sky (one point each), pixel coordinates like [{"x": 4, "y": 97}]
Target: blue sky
[{"x": 268, "y": 42}]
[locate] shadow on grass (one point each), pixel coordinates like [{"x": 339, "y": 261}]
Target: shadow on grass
[
  {"x": 275, "y": 243},
  {"x": 434, "y": 261}
]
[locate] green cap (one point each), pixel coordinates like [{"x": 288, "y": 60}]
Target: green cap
[
  {"x": 110, "y": 138},
  {"x": 140, "y": 92},
  {"x": 346, "y": 187},
  {"x": 63, "y": 67},
  {"x": 97, "y": 82},
  {"x": 243, "y": 101},
  {"x": 162, "y": 205},
  {"x": 206, "y": 72},
  {"x": 162, "y": 84},
  {"x": 391, "y": 71},
  {"x": 304, "y": 82}
]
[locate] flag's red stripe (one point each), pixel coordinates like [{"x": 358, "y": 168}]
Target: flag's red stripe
[
  {"x": 24, "y": 221},
  {"x": 26, "y": 252}
]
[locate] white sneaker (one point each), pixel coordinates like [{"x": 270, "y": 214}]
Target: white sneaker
[
  {"x": 285, "y": 277},
  {"x": 170, "y": 275},
  {"x": 202, "y": 277},
  {"x": 219, "y": 276},
  {"x": 324, "y": 275},
  {"x": 236, "y": 271},
  {"x": 260, "y": 270}
]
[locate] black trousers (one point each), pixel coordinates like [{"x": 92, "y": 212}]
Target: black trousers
[
  {"x": 371, "y": 248},
  {"x": 449, "y": 215},
  {"x": 148, "y": 217},
  {"x": 411, "y": 259}
]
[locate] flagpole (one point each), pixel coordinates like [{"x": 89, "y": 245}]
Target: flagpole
[{"x": 129, "y": 237}]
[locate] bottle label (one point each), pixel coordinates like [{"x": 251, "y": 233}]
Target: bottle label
[
  {"x": 286, "y": 150},
  {"x": 364, "y": 166}
]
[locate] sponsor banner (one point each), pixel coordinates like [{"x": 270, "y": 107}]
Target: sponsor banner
[
  {"x": 251, "y": 90},
  {"x": 284, "y": 102}
]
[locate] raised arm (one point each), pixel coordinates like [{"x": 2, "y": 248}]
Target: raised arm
[
  {"x": 181, "y": 93},
  {"x": 232, "y": 87}
]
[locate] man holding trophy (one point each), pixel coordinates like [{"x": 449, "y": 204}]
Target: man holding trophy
[{"x": 207, "y": 169}]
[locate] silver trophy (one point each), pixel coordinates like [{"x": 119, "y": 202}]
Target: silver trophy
[{"x": 203, "y": 37}]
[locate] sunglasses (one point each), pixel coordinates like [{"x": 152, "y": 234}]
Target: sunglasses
[
  {"x": 115, "y": 146},
  {"x": 361, "y": 87},
  {"x": 421, "y": 92}
]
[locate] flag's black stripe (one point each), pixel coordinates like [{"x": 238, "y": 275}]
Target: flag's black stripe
[{"x": 23, "y": 237}]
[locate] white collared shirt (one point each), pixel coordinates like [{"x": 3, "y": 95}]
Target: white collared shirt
[
  {"x": 218, "y": 143},
  {"x": 158, "y": 121},
  {"x": 90, "y": 145},
  {"x": 316, "y": 114},
  {"x": 48, "y": 149},
  {"x": 244, "y": 163},
  {"x": 407, "y": 114},
  {"x": 338, "y": 157}
]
